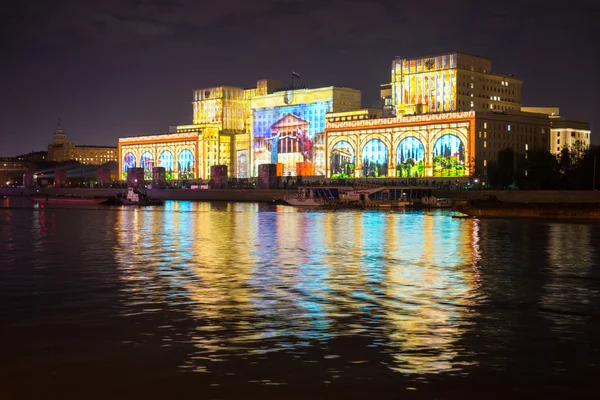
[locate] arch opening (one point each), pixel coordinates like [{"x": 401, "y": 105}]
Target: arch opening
[
  {"x": 375, "y": 159},
  {"x": 129, "y": 161},
  {"x": 410, "y": 156},
  {"x": 342, "y": 160},
  {"x": 167, "y": 161},
  {"x": 185, "y": 164},
  {"x": 449, "y": 156}
]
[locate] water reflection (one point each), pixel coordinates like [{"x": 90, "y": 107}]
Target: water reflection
[{"x": 285, "y": 279}]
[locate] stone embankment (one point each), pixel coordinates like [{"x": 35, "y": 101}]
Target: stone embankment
[
  {"x": 497, "y": 209},
  {"x": 246, "y": 195}
]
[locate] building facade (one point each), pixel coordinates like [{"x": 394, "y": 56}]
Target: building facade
[
  {"x": 443, "y": 116},
  {"x": 565, "y": 132},
  {"x": 440, "y": 145},
  {"x": 449, "y": 82},
  {"x": 61, "y": 149},
  {"x": 220, "y": 130},
  {"x": 243, "y": 128},
  {"x": 288, "y": 127}
]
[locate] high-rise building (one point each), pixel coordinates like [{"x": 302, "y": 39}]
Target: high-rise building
[{"x": 449, "y": 82}]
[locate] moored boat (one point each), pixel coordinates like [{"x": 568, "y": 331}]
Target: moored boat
[
  {"x": 136, "y": 198},
  {"x": 45, "y": 198}
]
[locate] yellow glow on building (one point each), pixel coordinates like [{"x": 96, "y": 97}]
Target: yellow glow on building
[
  {"x": 449, "y": 82},
  {"x": 390, "y": 133}
]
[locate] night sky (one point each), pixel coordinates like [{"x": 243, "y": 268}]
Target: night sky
[{"x": 117, "y": 68}]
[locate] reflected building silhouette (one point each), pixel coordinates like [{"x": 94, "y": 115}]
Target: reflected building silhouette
[{"x": 430, "y": 290}]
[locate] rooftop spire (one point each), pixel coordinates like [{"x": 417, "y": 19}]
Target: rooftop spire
[{"x": 58, "y": 122}]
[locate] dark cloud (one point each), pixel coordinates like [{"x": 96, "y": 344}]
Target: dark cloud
[{"x": 120, "y": 67}]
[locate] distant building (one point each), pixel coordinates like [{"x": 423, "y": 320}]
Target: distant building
[
  {"x": 449, "y": 82},
  {"x": 11, "y": 169},
  {"x": 34, "y": 156},
  {"x": 62, "y": 149},
  {"x": 565, "y": 132}
]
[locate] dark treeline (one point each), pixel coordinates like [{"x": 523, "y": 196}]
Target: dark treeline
[{"x": 572, "y": 169}]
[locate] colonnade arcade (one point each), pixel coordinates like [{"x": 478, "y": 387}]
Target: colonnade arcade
[
  {"x": 402, "y": 151},
  {"x": 178, "y": 158}
]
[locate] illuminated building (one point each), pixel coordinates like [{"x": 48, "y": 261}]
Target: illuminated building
[
  {"x": 565, "y": 132},
  {"x": 219, "y": 135},
  {"x": 288, "y": 127},
  {"x": 433, "y": 145},
  {"x": 409, "y": 147},
  {"x": 449, "y": 82},
  {"x": 62, "y": 149}
]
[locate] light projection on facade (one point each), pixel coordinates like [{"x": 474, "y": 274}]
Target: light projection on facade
[
  {"x": 375, "y": 159},
  {"x": 242, "y": 164},
  {"x": 449, "y": 156},
  {"x": 128, "y": 162},
  {"x": 185, "y": 163},
  {"x": 166, "y": 161},
  {"x": 147, "y": 162},
  {"x": 342, "y": 160},
  {"x": 287, "y": 135},
  {"x": 429, "y": 81},
  {"x": 411, "y": 158}
]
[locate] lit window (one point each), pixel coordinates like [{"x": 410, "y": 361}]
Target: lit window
[
  {"x": 472, "y": 104},
  {"x": 485, "y": 163},
  {"x": 526, "y": 146},
  {"x": 485, "y": 144},
  {"x": 509, "y": 128},
  {"x": 485, "y": 125},
  {"x": 485, "y": 134}
]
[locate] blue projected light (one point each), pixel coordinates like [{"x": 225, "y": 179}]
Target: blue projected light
[
  {"x": 375, "y": 159},
  {"x": 185, "y": 162},
  {"x": 128, "y": 161},
  {"x": 286, "y": 134},
  {"x": 165, "y": 160},
  {"x": 449, "y": 156},
  {"x": 410, "y": 155}
]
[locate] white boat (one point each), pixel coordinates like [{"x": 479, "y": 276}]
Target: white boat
[
  {"x": 134, "y": 197},
  {"x": 317, "y": 196},
  {"x": 371, "y": 197}
]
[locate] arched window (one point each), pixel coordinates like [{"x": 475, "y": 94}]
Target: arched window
[
  {"x": 147, "y": 162},
  {"x": 166, "y": 161},
  {"x": 342, "y": 160},
  {"x": 449, "y": 156},
  {"x": 410, "y": 156},
  {"x": 185, "y": 163},
  {"x": 128, "y": 162},
  {"x": 375, "y": 159}
]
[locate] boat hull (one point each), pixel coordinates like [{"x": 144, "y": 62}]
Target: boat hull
[{"x": 69, "y": 200}]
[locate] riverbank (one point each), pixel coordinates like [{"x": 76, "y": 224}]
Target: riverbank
[
  {"x": 554, "y": 197},
  {"x": 243, "y": 195}
]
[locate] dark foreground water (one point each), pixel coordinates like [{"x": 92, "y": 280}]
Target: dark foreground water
[{"x": 232, "y": 300}]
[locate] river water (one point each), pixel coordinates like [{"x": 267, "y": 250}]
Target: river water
[{"x": 244, "y": 300}]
